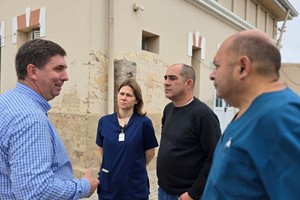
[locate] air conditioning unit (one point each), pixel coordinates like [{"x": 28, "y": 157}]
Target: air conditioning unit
[{"x": 34, "y": 34}]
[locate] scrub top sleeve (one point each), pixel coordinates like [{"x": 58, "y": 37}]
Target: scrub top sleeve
[
  {"x": 149, "y": 138},
  {"x": 99, "y": 137}
]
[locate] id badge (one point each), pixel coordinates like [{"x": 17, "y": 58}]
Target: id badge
[{"x": 121, "y": 137}]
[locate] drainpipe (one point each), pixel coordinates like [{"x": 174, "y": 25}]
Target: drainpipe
[
  {"x": 110, "y": 91},
  {"x": 282, "y": 30}
]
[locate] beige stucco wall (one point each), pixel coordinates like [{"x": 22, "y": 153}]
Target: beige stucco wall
[
  {"x": 80, "y": 35},
  {"x": 172, "y": 24},
  {"x": 254, "y": 12},
  {"x": 81, "y": 27},
  {"x": 290, "y": 73}
]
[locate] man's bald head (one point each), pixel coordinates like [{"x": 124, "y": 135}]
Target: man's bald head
[{"x": 259, "y": 48}]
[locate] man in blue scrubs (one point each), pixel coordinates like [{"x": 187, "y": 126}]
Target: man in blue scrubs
[{"x": 258, "y": 154}]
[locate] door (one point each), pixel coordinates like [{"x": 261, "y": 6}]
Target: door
[{"x": 224, "y": 111}]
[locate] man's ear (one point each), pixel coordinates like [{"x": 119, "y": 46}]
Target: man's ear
[
  {"x": 31, "y": 72},
  {"x": 245, "y": 66},
  {"x": 242, "y": 69},
  {"x": 190, "y": 82}
]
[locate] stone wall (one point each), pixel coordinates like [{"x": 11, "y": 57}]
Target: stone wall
[
  {"x": 123, "y": 69},
  {"x": 78, "y": 133}
]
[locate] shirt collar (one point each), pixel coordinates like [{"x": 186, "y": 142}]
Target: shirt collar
[{"x": 41, "y": 101}]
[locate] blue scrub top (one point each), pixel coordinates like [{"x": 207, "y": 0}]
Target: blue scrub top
[
  {"x": 258, "y": 154},
  {"x": 123, "y": 173}
]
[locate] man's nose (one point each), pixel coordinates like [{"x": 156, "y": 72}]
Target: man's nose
[
  {"x": 167, "y": 81},
  {"x": 212, "y": 75},
  {"x": 65, "y": 76}
]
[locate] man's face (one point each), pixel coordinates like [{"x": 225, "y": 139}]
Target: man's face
[
  {"x": 175, "y": 85},
  {"x": 50, "y": 79},
  {"x": 223, "y": 74}
]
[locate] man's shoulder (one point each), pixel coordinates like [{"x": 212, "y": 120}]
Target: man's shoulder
[
  {"x": 169, "y": 106},
  {"x": 11, "y": 101},
  {"x": 6, "y": 96},
  {"x": 16, "y": 100},
  {"x": 200, "y": 106}
]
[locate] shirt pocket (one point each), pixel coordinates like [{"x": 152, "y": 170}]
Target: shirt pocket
[
  {"x": 105, "y": 180},
  {"x": 233, "y": 171}
]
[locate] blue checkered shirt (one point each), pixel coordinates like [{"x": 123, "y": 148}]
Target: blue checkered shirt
[{"x": 34, "y": 163}]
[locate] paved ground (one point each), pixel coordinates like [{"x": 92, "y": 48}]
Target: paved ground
[{"x": 152, "y": 179}]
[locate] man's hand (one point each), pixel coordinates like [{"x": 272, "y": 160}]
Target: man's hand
[
  {"x": 185, "y": 196},
  {"x": 93, "y": 181}
]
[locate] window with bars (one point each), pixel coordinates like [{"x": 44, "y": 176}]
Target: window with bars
[{"x": 34, "y": 34}]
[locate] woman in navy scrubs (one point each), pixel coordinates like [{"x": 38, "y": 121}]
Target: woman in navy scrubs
[{"x": 127, "y": 144}]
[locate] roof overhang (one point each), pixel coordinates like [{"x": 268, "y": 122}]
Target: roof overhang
[
  {"x": 278, "y": 8},
  {"x": 221, "y": 13}
]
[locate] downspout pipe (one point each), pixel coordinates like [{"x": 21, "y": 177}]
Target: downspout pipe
[
  {"x": 282, "y": 30},
  {"x": 110, "y": 84}
]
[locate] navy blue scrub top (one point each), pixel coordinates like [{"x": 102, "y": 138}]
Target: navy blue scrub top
[{"x": 123, "y": 172}]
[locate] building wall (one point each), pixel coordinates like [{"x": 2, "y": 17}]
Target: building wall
[
  {"x": 81, "y": 27},
  {"x": 255, "y": 13},
  {"x": 173, "y": 33},
  {"x": 290, "y": 73}
]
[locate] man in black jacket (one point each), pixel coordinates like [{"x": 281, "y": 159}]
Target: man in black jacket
[{"x": 190, "y": 132}]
